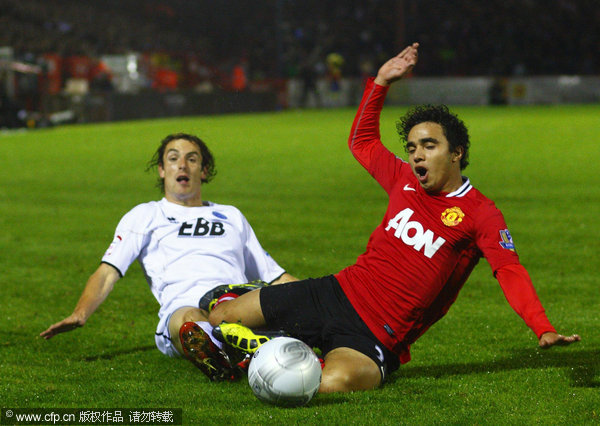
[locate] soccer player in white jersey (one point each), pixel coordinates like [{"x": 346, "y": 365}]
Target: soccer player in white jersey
[
  {"x": 186, "y": 247},
  {"x": 436, "y": 228}
]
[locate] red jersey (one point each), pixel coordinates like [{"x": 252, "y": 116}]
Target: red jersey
[{"x": 426, "y": 246}]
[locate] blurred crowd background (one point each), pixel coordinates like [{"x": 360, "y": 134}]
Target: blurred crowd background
[{"x": 249, "y": 44}]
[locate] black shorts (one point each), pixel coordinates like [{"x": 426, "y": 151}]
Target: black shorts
[{"x": 318, "y": 312}]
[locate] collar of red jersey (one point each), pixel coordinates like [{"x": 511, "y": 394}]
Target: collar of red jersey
[{"x": 463, "y": 190}]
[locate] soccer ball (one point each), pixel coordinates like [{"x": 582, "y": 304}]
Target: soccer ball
[{"x": 284, "y": 371}]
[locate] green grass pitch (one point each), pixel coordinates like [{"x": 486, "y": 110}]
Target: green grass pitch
[{"x": 63, "y": 190}]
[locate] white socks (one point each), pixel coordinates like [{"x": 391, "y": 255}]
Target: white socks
[{"x": 204, "y": 325}]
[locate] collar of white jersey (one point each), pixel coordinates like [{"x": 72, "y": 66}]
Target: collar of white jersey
[
  {"x": 463, "y": 190},
  {"x": 179, "y": 206}
]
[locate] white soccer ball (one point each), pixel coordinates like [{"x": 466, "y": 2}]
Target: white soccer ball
[{"x": 284, "y": 371}]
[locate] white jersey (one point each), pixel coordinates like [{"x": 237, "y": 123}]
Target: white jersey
[{"x": 187, "y": 251}]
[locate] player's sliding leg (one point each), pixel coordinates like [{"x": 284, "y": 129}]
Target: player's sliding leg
[
  {"x": 180, "y": 317},
  {"x": 344, "y": 369},
  {"x": 232, "y": 319},
  {"x": 245, "y": 310},
  {"x": 205, "y": 354},
  {"x": 227, "y": 292},
  {"x": 191, "y": 335},
  {"x": 243, "y": 338},
  {"x": 348, "y": 370}
]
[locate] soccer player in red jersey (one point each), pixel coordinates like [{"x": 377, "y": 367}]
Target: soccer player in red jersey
[{"x": 436, "y": 228}]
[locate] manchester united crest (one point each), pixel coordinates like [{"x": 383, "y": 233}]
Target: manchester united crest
[{"x": 452, "y": 216}]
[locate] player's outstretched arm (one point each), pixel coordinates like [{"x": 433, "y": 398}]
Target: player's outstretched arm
[
  {"x": 522, "y": 297},
  {"x": 98, "y": 287},
  {"x": 551, "y": 339},
  {"x": 398, "y": 66}
]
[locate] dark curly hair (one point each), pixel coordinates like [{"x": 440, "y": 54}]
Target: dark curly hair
[
  {"x": 208, "y": 161},
  {"x": 454, "y": 128}
]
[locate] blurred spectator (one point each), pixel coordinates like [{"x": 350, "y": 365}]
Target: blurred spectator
[
  {"x": 51, "y": 78},
  {"x": 9, "y": 112},
  {"x": 309, "y": 75},
  {"x": 239, "y": 79},
  {"x": 335, "y": 62},
  {"x": 498, "y": 95},
  {"x": 101, "y": 77},
  {"x": 165, "y": 80}
]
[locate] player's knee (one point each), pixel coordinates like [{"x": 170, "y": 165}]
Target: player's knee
[
  {"x": 349, "y": 377},
  {"x": 335, "y": 382},
  {"x": 219, "y": 314},
  {"x": 184, "y": 315},
  {"x": 244, "y": 309},
  {"x": 193, "y": 316},
  {"x": 340, "y": 381}
]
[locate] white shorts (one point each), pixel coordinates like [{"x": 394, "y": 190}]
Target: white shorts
[{"x": 162, "y": 336}]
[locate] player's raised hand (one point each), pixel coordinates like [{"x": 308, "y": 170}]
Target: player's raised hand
[
  {"x": 551, "y": 339},
  {"x": 398, "y": 66}
]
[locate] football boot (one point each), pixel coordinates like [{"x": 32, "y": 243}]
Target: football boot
[
  {"x": 204, "y": 354},
  {"x": 242, "y": 338}
]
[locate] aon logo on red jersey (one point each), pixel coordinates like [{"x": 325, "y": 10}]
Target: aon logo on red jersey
[{"x": 413, "y": 234}]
